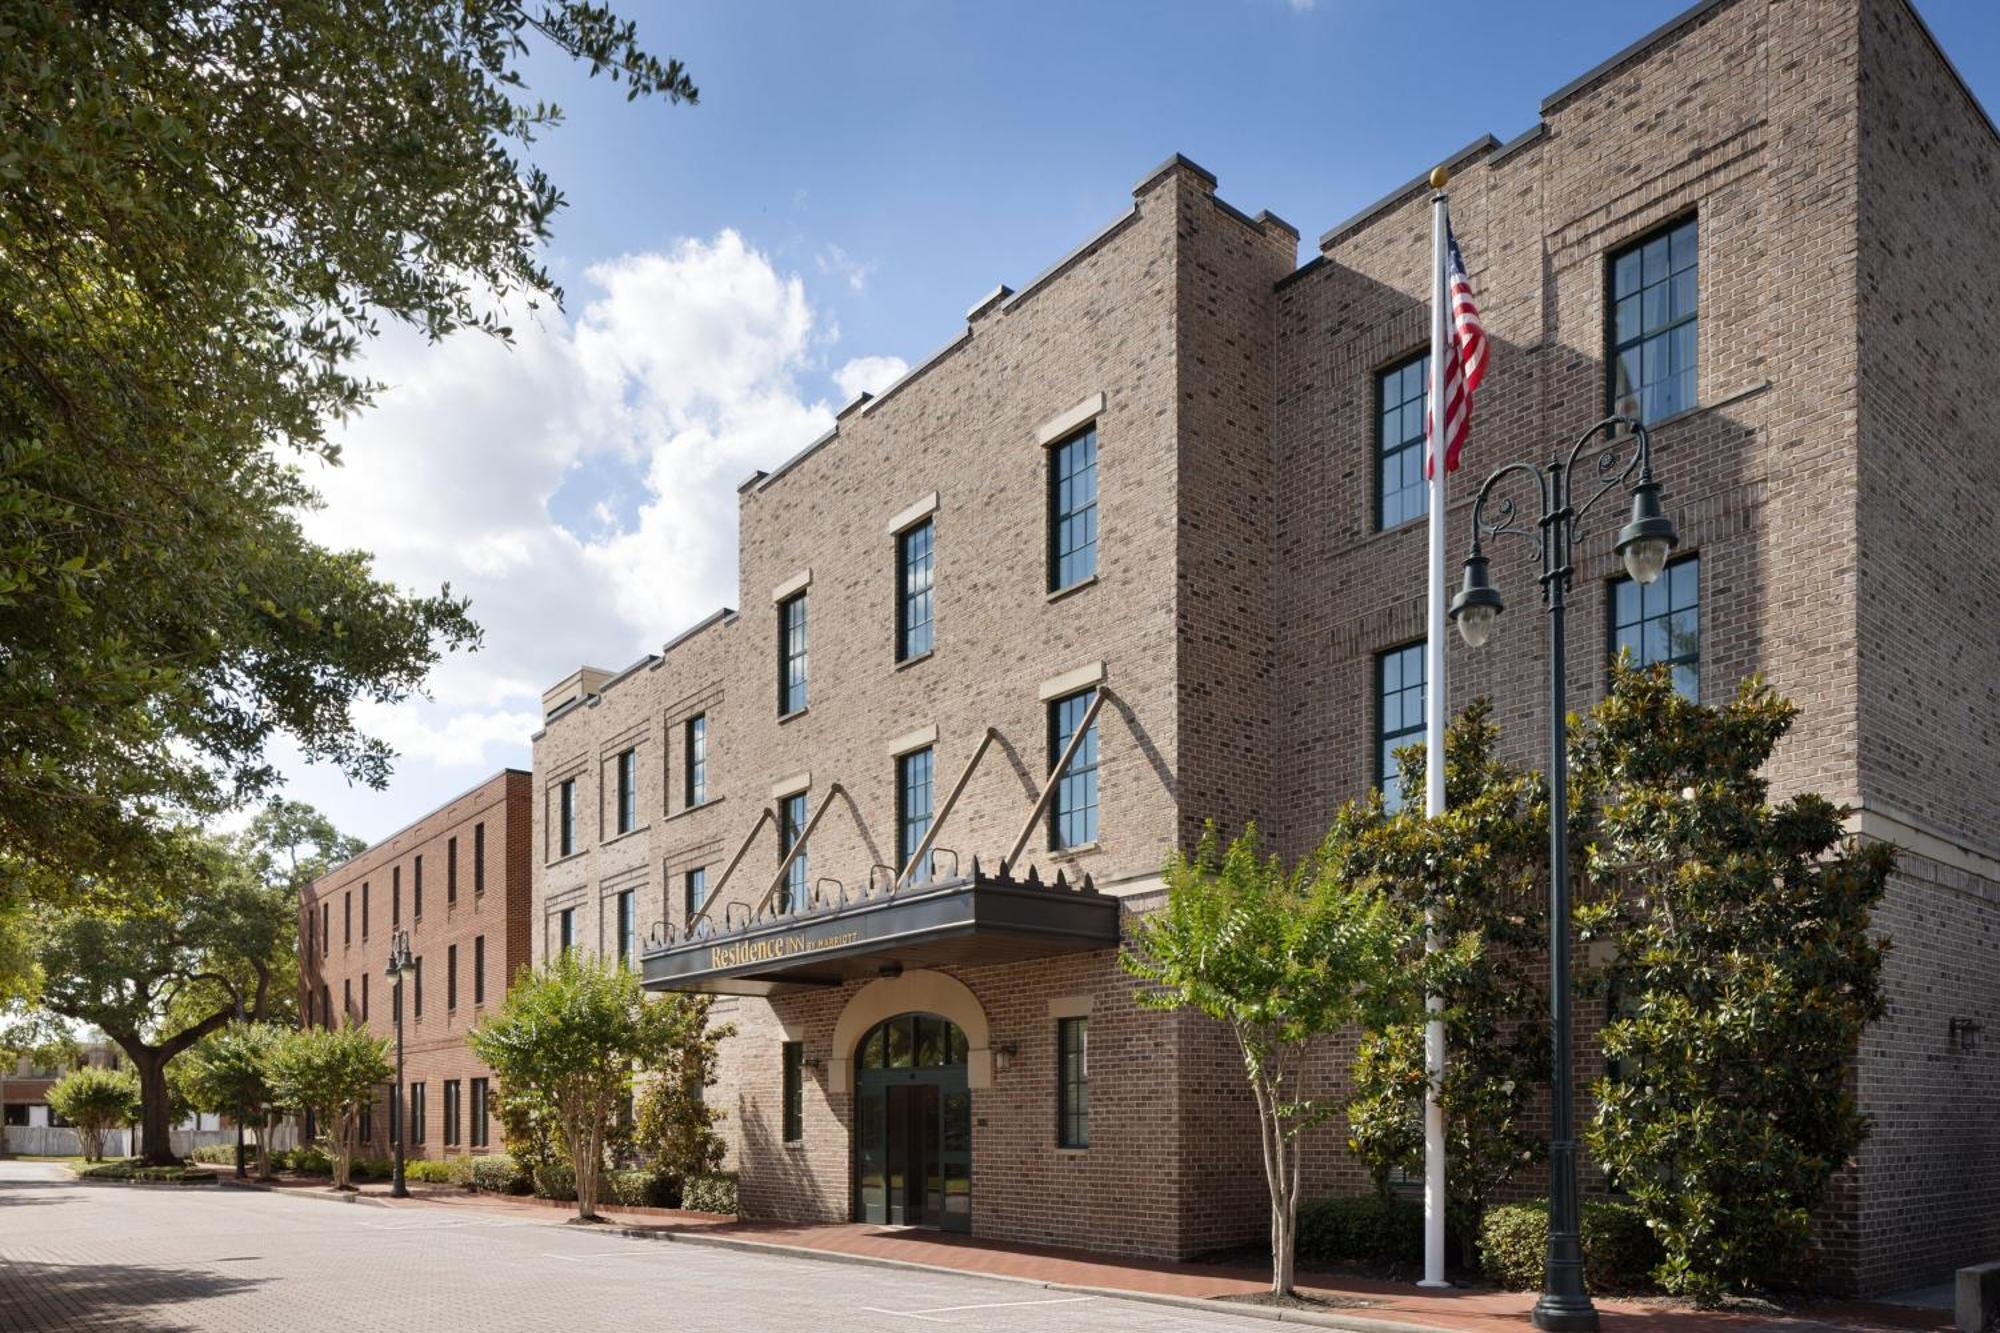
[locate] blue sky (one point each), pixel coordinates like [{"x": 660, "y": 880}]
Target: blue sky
[{"x": 855, "y": 176}]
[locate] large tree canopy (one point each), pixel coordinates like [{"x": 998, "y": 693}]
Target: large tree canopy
[{"x": 205, "y": 211}]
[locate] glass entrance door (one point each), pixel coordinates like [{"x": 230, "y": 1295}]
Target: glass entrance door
[{"x": 913, "y": 1125}]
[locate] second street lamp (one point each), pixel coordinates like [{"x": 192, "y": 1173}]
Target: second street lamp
[
  {"x": 1644, "y": 545},
  {"x": 400, "y": 966}
]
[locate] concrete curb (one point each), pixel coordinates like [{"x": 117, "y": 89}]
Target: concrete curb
[
  {"x": 318, "y": 1195},
  {"x": 146, "y": 1184},
  {"x": 1211, "y": 1305}
]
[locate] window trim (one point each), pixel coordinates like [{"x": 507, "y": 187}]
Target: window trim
[
  {"x": 787, "y": 841},
  {"x": 566, "y": 817},
  {"x": 904, "y": 596},
  {"x": 625, "y": 814},
  {"x": 1610, "y": 300},
  {"x": 478, "y": 970},
  {"x": 627, "y": 925},
  {"x": 1380, "y": 735},
  {"x": 1052, "y": 516},
  {"x": 1611, "y": 618},
  {"x": 786, "y": 708},
  {"x": 1052, "y": 709},
  {"x": 694, "y": 772},
  {"x": 792, "y": 1092},
  {"x": 689, "y": 904},
  {"x": 1070, "y": 1117},
  {"x": 904, "y": 761}
]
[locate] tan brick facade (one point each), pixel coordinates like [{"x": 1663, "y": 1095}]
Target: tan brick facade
[
  {"x": 346, "y": 922},
  {"x": 1828, "y": 478}
]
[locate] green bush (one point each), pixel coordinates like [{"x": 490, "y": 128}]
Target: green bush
[
  {"x": 500, "y": 1174},
  {"x": 643, "y": 1189},
  {"x": 432, "y": 1173},
  {"x": 307, "y": 1161},
  {"x": 218, "y": 1154},
  {"x": 171, "y": 1175},
  {"x": 1364, "y": 1229},
  {"x": 1620, "y": 1251},
  {"x": 556, "y": 1180},
  {"x": 714, "y": 1193}
]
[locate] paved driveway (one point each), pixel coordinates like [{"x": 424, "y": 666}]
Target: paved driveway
[{"x": 107, "y": 1258}]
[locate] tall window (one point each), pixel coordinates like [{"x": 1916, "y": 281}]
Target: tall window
[
  {"x": 347, "y": 918},
  {"x": 478, "y": 859},
  {"x": 417, "y": 990},
  {"x": 1073, "y": 815},
  {"x": 914, "y": 578},
  {"x": 347, "y": 998},
  {"x": 479, "y": 1139},
  {"x": 325, "y": 1005},
  {"x": 325, "y": 929},
  {"x": 1399, "y": 715},
  {"x": 792, "y": 654},
  {"x": 792, "y": 823},
  {"x": 1661, "y": 622},
  {"x": 364, "y": 911},
  {"x": 364, "y": 997},
  {"x": 697, "y": 759},
  {"x": 396, "y": 895},
  {"x": 913, "y": 806},
  {"x": 1073, "y": 510},
  {"x": 1653, "y": 323},
  {"x": 451, "y": 1113},
  {"x": 450, "y": 871},
  {"x": 416, "y": 1113},
  {"x": 795, "y": 1091},
  {"x": 628, "y": 790},
  {"x": 697, "y": 890},
  {"x": 1400, "y": 491},
  {"x": 417, "y": 887},
  {"x": 566, "y": 929},
  {"x": 628, "y": 926},
  {"x": 451, "y": 976},
  {"x": 479, "y": 969},
  {"x": 1073, "y": 1082},
  {"x": 566, "y": 817}
]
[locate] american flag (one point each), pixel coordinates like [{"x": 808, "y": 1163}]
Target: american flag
[{"x": 1465, "y": 356}]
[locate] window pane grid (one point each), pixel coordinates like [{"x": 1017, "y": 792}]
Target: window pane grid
[
  {"x": 1401, "y": 494},
  {"x": 696, "y": 890},
  {"x": 697, "y": 759},
  {"x": 1399, "y": 715},
  {"x": 1073, "y": 1083},
  {"x": 1653, "y": 324},
  {"x": 1073, "y": 510},
  {"x": 1074, "y": 811},
  {"x": 1661, "y": 623},
  {"x": 915, "y": 579},
  {"x": 628, "y": 790},
  {"x": 792, "y": 823},
  {"x": 794, "y": 1089},
  {"x": 914, "y": 794},
  {"x": 792, "y": 656}
]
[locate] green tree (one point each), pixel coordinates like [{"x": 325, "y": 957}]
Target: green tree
[
  {"x": 1282, "y": 959},
  {"x": 675, "y": 1121},
  {"x": 1745, "y": 974},
  {"x": 206, "y": 211},
  {"x": 570, "y": 1035},
  {"x": 95, "y": 1100},
  {"x": 1480, "y": 871},
  {"x": 334, "y": 1074},
  {"x": 180, "y": 958},
  {"x": 228, "y": 1073}
]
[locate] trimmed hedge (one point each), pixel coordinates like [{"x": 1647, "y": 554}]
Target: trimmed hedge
[
  {"x": 1363, "y": 1229},
  {"x": 1620, "y": 1251},
  {"x": 224, "y": 1154},
  {"x": 167, "y": 1175},
  {"x": 500, "y": 1174},
  {"x": 450, "y": 1171},
  {"x": 710, "y": 1194},
  {"x": 642, "y": 1189},
  {"x": 556, "y": 1180}
]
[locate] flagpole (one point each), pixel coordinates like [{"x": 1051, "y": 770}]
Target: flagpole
[{"x": 1435, "y": 698}]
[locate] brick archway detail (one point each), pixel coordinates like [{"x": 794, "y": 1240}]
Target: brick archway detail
[{"x": 920, "y": 991}]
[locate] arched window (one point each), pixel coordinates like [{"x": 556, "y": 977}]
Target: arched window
[{"x": 913, "y": 1041}]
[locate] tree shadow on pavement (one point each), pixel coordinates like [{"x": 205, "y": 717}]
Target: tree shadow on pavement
[{"x": 115, "y": 1298}]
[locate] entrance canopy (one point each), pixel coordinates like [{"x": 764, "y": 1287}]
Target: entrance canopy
[{"x": 967, "y": 921}]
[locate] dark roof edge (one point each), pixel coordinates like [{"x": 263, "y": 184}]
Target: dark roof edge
[
  {"x": 713, "y": 618},
  {"x": 1483, "y": 143},
  {"x": 1316, "y": 262},
  {"x": 1952, "y": 69},
  {"x": 1174, "y": 160},
  {"x": 1535, "y": 133},
  {"x": 1097, "y": 238},
  {"x": 648, "y": 660},
  {"x": 1660, "y": 34},
  {"x": 387, "y": 838}
]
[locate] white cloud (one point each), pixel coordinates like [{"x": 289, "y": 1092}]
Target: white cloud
[
  {"x": 679, "y": 374},
  {"x": 868, "y": 374},
  {"x": 836, "y": 262}
]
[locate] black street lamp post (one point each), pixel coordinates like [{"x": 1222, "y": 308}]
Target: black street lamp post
[
  {"x": 1643, "y": 544},
  {"x": 240, "y": 1173},
  {"x": 400, "y": 966}
]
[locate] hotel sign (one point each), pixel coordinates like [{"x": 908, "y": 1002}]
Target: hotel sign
[{"x": 772, "y": 948}]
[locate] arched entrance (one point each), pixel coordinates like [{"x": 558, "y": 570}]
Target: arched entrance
[{"x": 913, "y": 1124}]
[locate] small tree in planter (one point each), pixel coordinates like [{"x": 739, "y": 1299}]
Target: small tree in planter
[
  {"x": 333, "y": 1073},
  {"x": 228, "y": 1073},
  {"x": 95, "y": 1100},
  {"x": 1281, "y": 958},
  {"x": 569, "y": 1036},
  {"x": 676, "y": 1123}
]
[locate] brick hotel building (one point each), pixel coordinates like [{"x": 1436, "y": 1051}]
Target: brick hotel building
[
  {"x": 458, "y": 881},
  {"x": 1151, "y": 523}
]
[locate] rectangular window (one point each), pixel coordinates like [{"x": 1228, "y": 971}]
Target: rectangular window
[
  {"x": 697, "y": 890},
  {"x": 478, "y": 859},
  {"x": 347, "y": 918},
  {"x": 628, "y": 926},
  {"x": 1073, "y": 813},
  {"x": 417, "y": 990},
  {"x": 364, "y": 911},
  {"x": 1073, "y": 1083},
  {"x": 347, "y": 998},
  {"x": 396, "y": 895},
  {"x": 325, "y": 1006},
  {"x": 697, "y": 759},
  {"x": 566, "y": 817},
  {"x": 1073, "y": 510},
  {"x": 451, "y": 977},
  {"x": 795, "y": 1091},
  {"x": 914, "y": 575},
  {"x": 312, "y": 938},
  {"x": 325, "y": 929},
  {"x": 913, "y": 806},
  {"x": 1653, "y": 323},
  {"x": 1400, "y": 490},
  {"x": 1399, "y": 715},
  {"x": 1661, "y": 622},
  {"x": 368, "y": 1123},
  {"x": 628, "y": 790},
  {"x": 791, "y": 655},
  {"x": 479, "y": 1113},
  {"x": 451, "y": 1113},
  {"x": 479, "y": 969},
  {"x": 417, "y": 887},
  {"x": 566, "y": 930},
  {"x": 450, "y": 871},
  {"x": 364, "y": 997},
  {"x": 416, "y": 1113},
  {"x": 791, "y": 823}
]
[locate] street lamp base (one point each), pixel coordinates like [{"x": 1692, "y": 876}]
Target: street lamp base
[
  {"x": 1439, "y": 1285},
  {"x": 1565, "y": 1314},
  {"x": 398, "y": 1192}
]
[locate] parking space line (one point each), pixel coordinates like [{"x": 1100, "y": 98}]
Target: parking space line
[
  {"x": 1001, "y": 1305},
  {"x": 905, "y": 1314}
]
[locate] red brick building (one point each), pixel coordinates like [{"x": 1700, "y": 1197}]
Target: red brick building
[
  {"x": 458, "y": 881},
  {"x": 1164, "y": 497}
]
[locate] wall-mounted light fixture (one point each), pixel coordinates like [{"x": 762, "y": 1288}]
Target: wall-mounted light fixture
[
  {"x": 1965, "y": 1034},
  {"x": 1003, "y": 1055}
]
